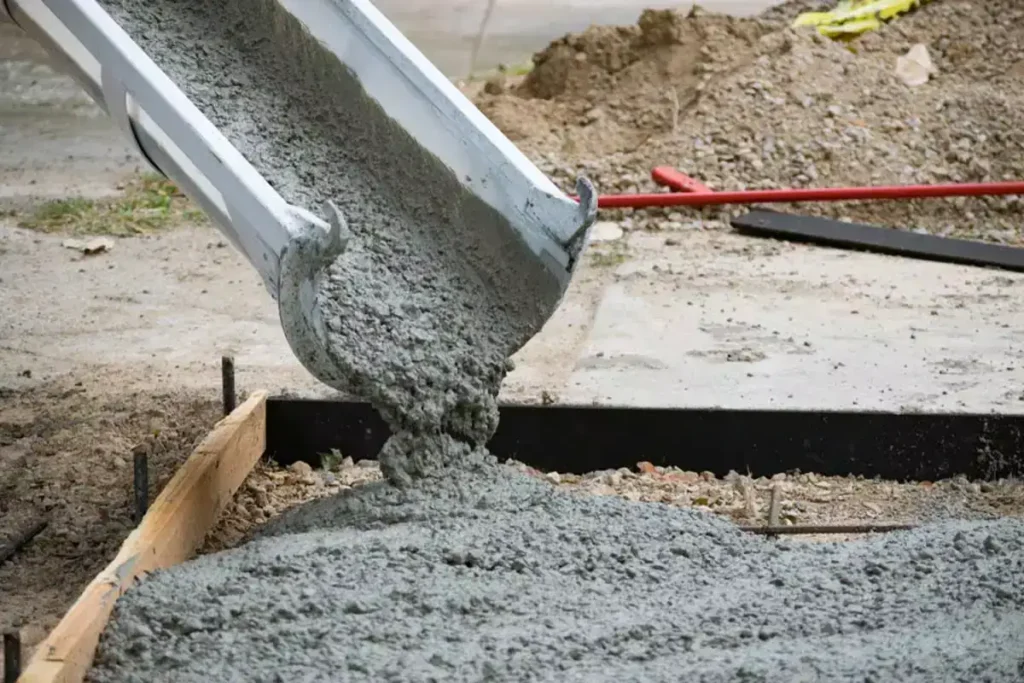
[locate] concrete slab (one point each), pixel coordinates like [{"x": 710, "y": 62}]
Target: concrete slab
[
  {"x": 731, "y": 321},
  {"x": 715, "y": 319},
  {"x": 161, "y": 310}
]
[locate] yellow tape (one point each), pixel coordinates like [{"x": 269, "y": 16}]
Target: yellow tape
[
  {"x": 853, "y": 17},
  {"x": 850, "y": 28}
]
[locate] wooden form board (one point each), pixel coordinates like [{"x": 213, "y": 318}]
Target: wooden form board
[{"x": 170, "y": 532}]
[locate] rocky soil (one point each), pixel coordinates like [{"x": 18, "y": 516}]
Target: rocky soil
[{"x": 753, "y": 104}]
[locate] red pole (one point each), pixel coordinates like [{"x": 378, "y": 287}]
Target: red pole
[
  {"x": 677, "y": 180},
  {"x": 824, "y": 194}
]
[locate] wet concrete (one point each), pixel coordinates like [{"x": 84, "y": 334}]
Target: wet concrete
[{"x": 488, "y": 575}]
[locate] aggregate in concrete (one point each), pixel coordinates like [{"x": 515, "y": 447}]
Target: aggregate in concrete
[
  {"x": 484, "y": 574},
  {"x": 435, "y": 291}
]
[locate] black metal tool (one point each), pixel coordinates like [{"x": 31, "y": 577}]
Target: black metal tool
[{"x": 882, "y": 240}]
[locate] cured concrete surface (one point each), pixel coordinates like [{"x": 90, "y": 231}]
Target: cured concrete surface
[
  {"x": 785, "y": 326},
  {"x": 732, "y": 321}
]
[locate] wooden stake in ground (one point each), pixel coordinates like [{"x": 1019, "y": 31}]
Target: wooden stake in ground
[{"x": 170, "y": 532}]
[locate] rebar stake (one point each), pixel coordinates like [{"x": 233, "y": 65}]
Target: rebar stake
[
  {"x": 784, "y": 530},
  {"x": 20, "y": 538},
  {"x": 12, "y": 656},
  {"x": 227, "y": 382},
  {"x": 141, "y": 485}
]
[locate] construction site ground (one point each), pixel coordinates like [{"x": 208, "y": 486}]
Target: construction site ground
[{"x": 118, "y": 350}]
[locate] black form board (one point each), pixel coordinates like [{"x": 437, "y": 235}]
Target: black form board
[{"x": 580, "y": 439}]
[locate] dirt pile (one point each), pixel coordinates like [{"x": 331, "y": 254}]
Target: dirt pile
[{"x": 751, "y": 103}]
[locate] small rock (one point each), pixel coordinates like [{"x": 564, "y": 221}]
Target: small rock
[
  {"x": 300, "y": 468},
  {"x": 684, "y": 477},
  {"x": 553, "y": 477},
  {"x": 873, "y": 507},
  {"x": 366, "y": 464},
  {"x": 605, "y": 231},
  {"x": 91, "y": 247},
  {"x": 915, "y": 67},
  {"x": 646, "y": 468},
  {"x": 495, "y": 85}
]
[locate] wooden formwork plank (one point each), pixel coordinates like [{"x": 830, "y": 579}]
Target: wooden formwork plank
[{"x": 170, "y": 533}]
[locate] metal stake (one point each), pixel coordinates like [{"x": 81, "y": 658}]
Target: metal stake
[
  {"x": 21, "y": 537},
  {"x": 12, "y": 656},
  {"x": 870, "y": 528},
  {"x": 141, "y": 486},
  {"x": 227, "y": 381}
]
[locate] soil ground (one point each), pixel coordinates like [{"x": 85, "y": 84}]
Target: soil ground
[{"x": 104, "y": 354}]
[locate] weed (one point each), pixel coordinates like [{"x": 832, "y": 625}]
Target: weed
[
  {"x": 514, "y": 71},
  {"x": 331, "y": 461},
  {"x": 148, "y": 204},
  {"x": 613, "y": 255},
  {"x": 519, "y": 69}
]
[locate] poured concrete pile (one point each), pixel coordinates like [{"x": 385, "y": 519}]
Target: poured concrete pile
[{"x": 487, "y": 575}]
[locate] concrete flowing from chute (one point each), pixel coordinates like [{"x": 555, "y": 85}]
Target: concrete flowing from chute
[{"x": 430, "y": 296}]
